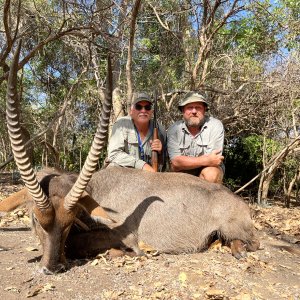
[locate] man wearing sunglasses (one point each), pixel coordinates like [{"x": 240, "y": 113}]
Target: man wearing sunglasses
[
  {"x": 131, "y": 142},
  {"x": 195, "y": 143}
]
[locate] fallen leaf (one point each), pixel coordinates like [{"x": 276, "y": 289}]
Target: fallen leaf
[
  {"x": 197, "y": 296},
  {"x": 216, "y": 246},
  {"x": 182, "y": 278},
  {"x": 33, "y": 293},
  {"x": 48, "y": 287},
  {"x": 145, "y": 247},
  {"x": 95, "y": 262},
  {"x": 31, "y": 249},
  {"x": 40, "y": 289},
  {"x": 12, "y": 288},
  {"x": 215, "y": 294},
  {"x": 245, "y": 297}
]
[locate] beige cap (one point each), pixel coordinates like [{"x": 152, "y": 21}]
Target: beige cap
[
  {"x": 192, "y": 97},
  {"x": 138, "y": 97}
]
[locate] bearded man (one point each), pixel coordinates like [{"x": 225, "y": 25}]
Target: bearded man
[{"x": 195, "y": 143}]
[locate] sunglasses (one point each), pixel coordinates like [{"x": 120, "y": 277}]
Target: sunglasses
[{"x": 140, "y": 107}]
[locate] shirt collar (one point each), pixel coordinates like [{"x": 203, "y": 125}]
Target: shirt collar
[{"x": 149, "y": 133}]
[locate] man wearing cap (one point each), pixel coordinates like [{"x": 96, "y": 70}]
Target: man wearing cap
[
  {"x": 195, "y": 143},
  {"x": 131, "y": 143}
]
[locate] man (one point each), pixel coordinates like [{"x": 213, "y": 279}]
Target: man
[
  {"x": 131, "y": 143},
  {"x": 195, "y": 143}
]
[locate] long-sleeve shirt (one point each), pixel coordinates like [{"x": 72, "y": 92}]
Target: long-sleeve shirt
[{"x": 124, "y": 150}]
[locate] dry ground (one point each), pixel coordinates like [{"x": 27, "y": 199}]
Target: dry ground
[{"x": 273, "y": 272}]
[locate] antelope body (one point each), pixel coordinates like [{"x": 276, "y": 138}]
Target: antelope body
[{"x": 172, "y": 212}]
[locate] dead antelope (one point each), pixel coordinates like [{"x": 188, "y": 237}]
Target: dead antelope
[{"x": 171, "y": 212}]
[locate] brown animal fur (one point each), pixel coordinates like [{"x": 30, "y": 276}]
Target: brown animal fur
[{"x": 172, "y": 212}]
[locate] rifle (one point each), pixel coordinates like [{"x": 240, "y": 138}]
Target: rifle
[{"x": 154, "y": 156}]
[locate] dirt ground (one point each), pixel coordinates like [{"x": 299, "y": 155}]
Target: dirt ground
[{"x": 273, "y": 272}]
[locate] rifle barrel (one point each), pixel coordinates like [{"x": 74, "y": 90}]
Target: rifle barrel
[{"x": 154, "y": 154}]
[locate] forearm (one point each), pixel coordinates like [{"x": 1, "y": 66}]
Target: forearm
[
  {"x": 180, "y": 163},
  {"x": 118, "y": 148},
  {"x": 125, "y": 160},
  {"x": 117, "y": 155}
]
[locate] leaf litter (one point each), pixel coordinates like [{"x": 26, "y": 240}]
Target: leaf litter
[{"x": 270, "y": 273}]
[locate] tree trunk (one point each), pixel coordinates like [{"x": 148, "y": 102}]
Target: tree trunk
[
  {"x": 135, "y": 11},
  {"x": 293, "y": 182}
]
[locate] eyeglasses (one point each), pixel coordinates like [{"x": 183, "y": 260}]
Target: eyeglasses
[
  {"x": 140, "y": 107},
  {"x": 196, "y": 107}
]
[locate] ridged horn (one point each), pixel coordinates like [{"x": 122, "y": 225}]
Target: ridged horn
[
  {"x": 15, "y": 135},
  {"x": 97, "y": 145}
]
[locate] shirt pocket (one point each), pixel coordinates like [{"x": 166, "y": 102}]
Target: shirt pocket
[
  {"x": 184, "y": 149},
  {"x": 132, "y": 145},
  {"x": 202, "y": 147}
]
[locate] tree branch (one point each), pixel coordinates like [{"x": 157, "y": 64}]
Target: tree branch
[{"x": 273, "y": 162}]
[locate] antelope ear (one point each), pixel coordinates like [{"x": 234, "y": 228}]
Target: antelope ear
[
  {"x": 15, "y": 200},
  {"x": 94, "y": 209}
]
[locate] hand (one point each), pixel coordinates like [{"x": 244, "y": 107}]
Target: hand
[
  {"x": 215, "y": 158},
  {"x": 148, "y": 168},
  {"x": 156, "y": 145}
]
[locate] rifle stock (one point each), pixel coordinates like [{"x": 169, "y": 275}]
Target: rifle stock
[{"x": 154, "y": 157}]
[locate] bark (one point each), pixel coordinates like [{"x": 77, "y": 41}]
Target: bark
[
  {"x": 269, "y": 170},
  {"x": 208, "y": 28},
  {"x": 294, "y": 181},
  {"x": 130, "y": 51}
]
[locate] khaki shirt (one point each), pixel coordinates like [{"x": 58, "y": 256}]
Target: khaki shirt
[
  {"x": 182, "y": 142},
  {"x": 123, "y": 148}
]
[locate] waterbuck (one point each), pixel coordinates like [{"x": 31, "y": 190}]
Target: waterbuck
[{"x": 172, "y": 212}]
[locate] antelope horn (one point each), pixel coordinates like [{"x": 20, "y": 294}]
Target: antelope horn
[
  {"x": 97, "y": 145},
  {"x": 15, "y": 136}
]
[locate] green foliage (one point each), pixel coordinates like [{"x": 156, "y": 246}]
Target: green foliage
[
  {"x": 243, "y": 158},
  {"x": 254, "y": 146},
  {"x": 246, "y": 88},
  {"x": 255, "y": 36},
  {"x": 239, "y": 167},
  {"x": 159, "y": 56},
  {"x": 294, "y": 8},
  {"x": 290, "y": 166}
]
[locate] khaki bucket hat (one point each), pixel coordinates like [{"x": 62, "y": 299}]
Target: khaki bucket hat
[{"x": 192, "y": 97}]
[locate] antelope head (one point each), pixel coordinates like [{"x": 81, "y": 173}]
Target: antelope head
[{"x": 56, "y": 199}]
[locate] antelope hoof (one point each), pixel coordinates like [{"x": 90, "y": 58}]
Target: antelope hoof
[
  {"x": 238, "y": 249},
  {"x": 60, "y": 268},
  {"x": 139, "y": 252},
  {"x": 253, "y": 246}
]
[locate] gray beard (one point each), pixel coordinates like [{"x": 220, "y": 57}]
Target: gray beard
[{"x": 194, "y": 123}]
